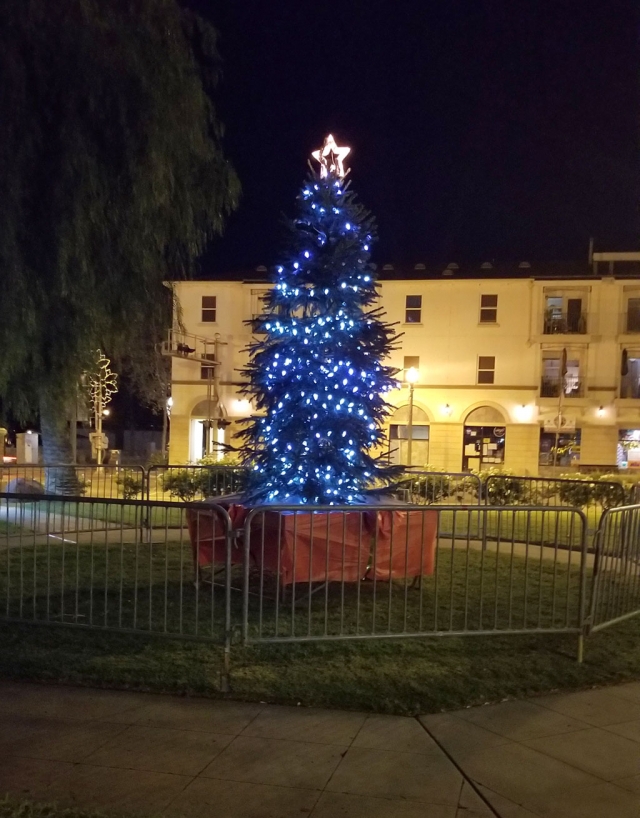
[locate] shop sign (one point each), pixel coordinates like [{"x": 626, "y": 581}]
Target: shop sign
[{"x": 560, "y": 423}]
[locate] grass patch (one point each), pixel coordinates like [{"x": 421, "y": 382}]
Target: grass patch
[
  {"x": 12, "y": 808},
  {"x": 151, "y": 588},
  {"x": 418, "y": 676}
]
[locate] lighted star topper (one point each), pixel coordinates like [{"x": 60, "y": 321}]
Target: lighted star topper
[{"x": 331, "y": 157}]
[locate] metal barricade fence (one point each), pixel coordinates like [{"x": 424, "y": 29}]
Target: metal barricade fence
[
  {"x": 592, "y": 496},
  {"x": 87, "y": 563},
  {"x": 615, "y": 590},
  {"x": 345, "y": 573},
  {"x": 124, "y": 482},
  {"x": 445, "y": 488},
  {"x": 506, "y": 489},
  {"x": 188, "y": 483}
]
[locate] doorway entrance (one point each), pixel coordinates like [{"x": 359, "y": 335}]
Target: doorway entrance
[{"x": 483, "y": 440}]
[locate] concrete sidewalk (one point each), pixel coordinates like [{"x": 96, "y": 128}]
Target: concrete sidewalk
[{"x": 563, "y": 756}]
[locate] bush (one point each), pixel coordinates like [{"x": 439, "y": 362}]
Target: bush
[
  {"x": 578, "y": 491},
  {"x": 130, "y": 485},
  {"x": 502, "y": 488},
  {"x": 608, "y": 490},
  {"x": 214, "y": 482},
  {"x": 430, "y": 488},
  {"x": 182, "y": 483}
]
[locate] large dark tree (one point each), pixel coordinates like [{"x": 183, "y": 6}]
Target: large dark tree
[{"x": 112, "y": 180}]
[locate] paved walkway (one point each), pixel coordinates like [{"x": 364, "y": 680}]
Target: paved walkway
[{"x": 562, "y": 756}]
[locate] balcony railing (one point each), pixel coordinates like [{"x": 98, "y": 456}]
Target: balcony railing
[
  {"x": 190, "y": 347},
  {"x": 550, "y": 388},
  {"x": 565, "y": 324}
]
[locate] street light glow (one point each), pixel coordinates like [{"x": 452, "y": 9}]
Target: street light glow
[{"x": 412, "y": 375}]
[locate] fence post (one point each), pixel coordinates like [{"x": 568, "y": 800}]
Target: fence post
[{"x": 225, "y": 680}]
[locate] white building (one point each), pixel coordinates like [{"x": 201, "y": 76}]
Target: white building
[{"x": 490, "y": 345}]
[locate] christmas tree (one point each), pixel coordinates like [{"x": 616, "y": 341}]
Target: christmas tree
[{"x": 316, "y": 364}]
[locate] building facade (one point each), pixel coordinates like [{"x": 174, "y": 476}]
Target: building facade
[{"x": 518, "y": 368}]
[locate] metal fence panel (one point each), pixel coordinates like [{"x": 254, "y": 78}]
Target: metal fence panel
[
  {"x": 615, "y": 592},
  {"x": 444, "y": 488},
  {"x": 188, "y": 483},
  {"x": 504, "y": 489},
  {"x": 342, "y": 573},
  {"x": 117, "y": 482},
  {"x": 92, "y": 563}
]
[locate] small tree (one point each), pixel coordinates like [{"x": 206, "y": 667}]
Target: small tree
[{"x": 316, "y": 371}]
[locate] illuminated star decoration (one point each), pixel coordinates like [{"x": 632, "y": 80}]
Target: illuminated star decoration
[{"x": 331, "y": 158}]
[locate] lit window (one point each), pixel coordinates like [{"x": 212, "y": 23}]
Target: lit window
[
  {"x": 486, "y": 368},
  {"x": 413, "y": 309},
  {"x": 488, "y": 309},
  {"x": 209, "y": 309}
]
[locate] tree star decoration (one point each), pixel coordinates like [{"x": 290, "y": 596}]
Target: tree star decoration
[{"x": 331, "y": 158}]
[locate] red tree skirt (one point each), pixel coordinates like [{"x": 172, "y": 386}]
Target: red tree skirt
[{"x": 333, "y": 546}]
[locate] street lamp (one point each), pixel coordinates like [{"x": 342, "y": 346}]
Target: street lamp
[{"x": 412, "y": 378}]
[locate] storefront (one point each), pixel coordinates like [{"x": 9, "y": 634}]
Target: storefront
[
  {"x": 484, "y": 440},
  {"x": 564, "y": 452},
  {"x": 628, "y": 455}
]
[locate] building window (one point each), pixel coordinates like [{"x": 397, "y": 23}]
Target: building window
[
  {"x": 486, "y": 368},
  {"x": 630, "y": 374},
  {"x": 488, "y": 309},
  {"x": 564, "y": 315},
  {"x": 207, "y": 372},
  {"x": 258, "y": 302},
  {"x": 208, "y": 309},
  {"x": 413, "y": 309},
  {"x": 409, "y": 362},
  {"x": 633, "y": 314},
  {"x": 561, "y": 449},
  {"x": 554, "y": 379}
]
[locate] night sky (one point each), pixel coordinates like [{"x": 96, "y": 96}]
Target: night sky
[{"x": 480, "y": 130}]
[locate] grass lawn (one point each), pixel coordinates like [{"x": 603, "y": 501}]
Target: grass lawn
[
  {"x": 140, "y": 586},
  {"x": 12, "y": 808},
  {"x": 128, "y": 585},
  {"x": 416, "y": 676}
]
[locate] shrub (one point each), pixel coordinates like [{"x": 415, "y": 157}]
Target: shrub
[
  {"x": 130, "y": 485},
  {"x": 218, "y": 481},
  {"x": 608, "y": 490},
  {"x": 502, "y": 488},
  {"x": 182, "y": 483},
  {"x": 578, "y": 491}
]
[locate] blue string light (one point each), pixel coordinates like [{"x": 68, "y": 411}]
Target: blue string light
[{"x": 316, "y": 368}]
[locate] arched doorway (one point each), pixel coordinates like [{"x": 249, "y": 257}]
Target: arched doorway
[
  {"x": 399, "y": 435},
  {"x": 206, "y": 430},
  {"x": 484, "y": 439}
]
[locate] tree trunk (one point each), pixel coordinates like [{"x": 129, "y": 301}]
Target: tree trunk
[{"x": 60, "y": 473}]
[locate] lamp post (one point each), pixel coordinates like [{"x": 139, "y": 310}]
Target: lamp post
[{"x": 412, "y": 378}]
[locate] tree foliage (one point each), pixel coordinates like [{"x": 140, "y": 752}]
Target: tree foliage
[
  {"x": 316, "y": 368},
  {"x": 112, "y": 180}
]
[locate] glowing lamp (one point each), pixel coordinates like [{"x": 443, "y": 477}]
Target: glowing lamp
[{"x": 412, "y": 375}]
